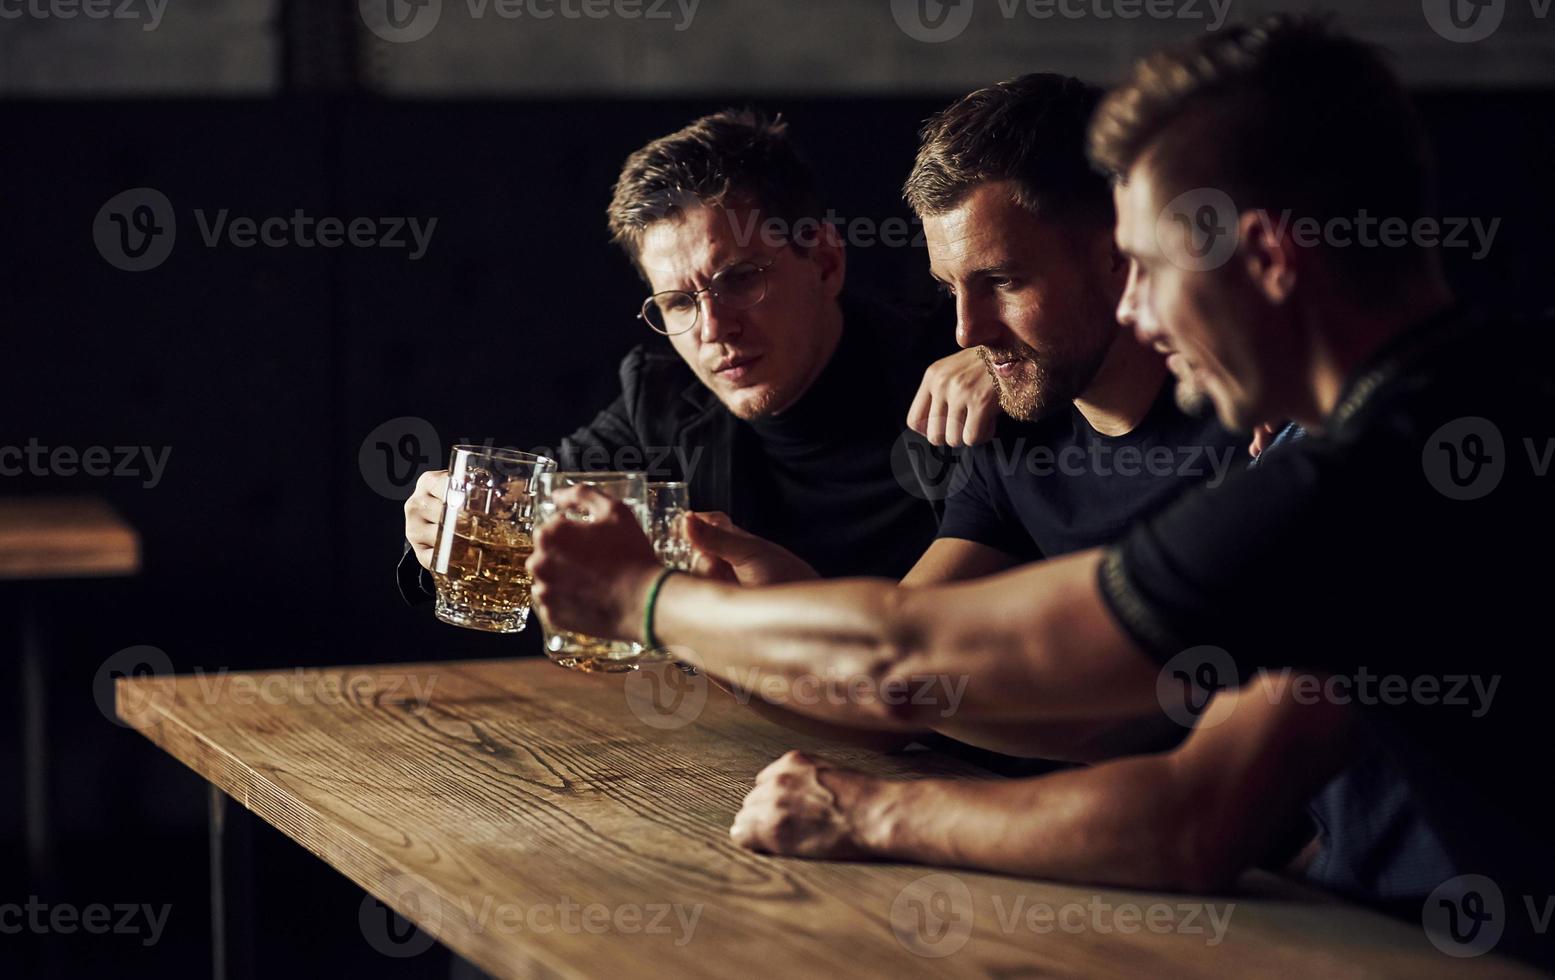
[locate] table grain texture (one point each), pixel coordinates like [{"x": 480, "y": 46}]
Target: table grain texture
[
  {"x": 546, "y": 823},
  {"x": 64, "y": 537}
]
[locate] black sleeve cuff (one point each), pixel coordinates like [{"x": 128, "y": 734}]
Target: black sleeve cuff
[
  {"x": 1132, "y": 612},
  {"x": 415, "y": 582}
]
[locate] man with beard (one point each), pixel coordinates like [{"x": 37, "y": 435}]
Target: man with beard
[
  {"x": 1019, "y": 233},
  {"x": 1419, "y": 569}
]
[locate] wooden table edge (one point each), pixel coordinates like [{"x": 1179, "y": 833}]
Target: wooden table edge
[{"x": 461, "y": 939}]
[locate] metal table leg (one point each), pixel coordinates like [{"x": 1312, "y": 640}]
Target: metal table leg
[
  {"x": 35, "y": 786},
  {"x": 232, "y": 888}
]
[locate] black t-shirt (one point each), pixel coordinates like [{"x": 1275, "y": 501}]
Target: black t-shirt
[
  {"x": 1046, "y": 488},
  {"x": 1421, "y": 525},
  {"x": 819, "y": 478}
]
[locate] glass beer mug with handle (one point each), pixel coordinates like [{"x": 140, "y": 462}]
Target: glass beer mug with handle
[
  {"x": 485, "y": 538},
  {"x": 580, "y": 651},
  {"x": 668, "y": 507}
]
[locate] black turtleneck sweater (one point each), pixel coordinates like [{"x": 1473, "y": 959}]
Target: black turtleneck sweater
[{"x": 818, "y": 477}]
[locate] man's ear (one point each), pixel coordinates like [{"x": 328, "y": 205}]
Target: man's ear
[
  {"x": 830, "y": 256},
  {"x": 1268, "y": 255}
]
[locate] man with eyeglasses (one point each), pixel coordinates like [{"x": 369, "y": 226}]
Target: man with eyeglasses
[
  {"x": 1420, "y": 575},
  {"x": 780, "y": 397}
]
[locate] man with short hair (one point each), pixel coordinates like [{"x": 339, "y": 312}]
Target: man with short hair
[
  {"x": 753, "y": 400},
  {"x": 1397, "y": 514},
  {"x": 1007, "y": 197},
  {"x": 1019, "y": 234}
]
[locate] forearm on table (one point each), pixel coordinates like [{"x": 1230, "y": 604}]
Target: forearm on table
[
  {"x": 803, "y": 647},
  {"x": 1128, "y": 823},
  {"x": 1034, "y": 644},
  {"x": 1191, "y": 819},
  {"x": 1028, "y": 645}
]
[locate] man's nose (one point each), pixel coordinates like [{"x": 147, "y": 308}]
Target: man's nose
[
  {"x": 717, "y": 322},
  {"x": 1131, "y": 312},
  {"x": 977, "y": 324}
]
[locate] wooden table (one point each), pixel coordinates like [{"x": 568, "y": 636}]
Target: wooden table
[
  {"x": 495, "y": 803},
  {"x": 64, "y": 537},
  {"x": 51, "y": 538}
]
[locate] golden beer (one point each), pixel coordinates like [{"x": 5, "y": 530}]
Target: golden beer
[
  {"x": 485, "y": 538},
  {"x": 483, "y": 573}
]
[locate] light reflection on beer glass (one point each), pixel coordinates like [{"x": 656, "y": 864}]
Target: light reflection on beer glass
[
  {"x": 484, "y": 538},
  {"x": 579, "y": 651}
]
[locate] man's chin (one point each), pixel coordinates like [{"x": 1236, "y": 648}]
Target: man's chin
[
  {"x": 751, "y": 403},
  {"x": 1192, "y": 400},
  {"x": 1031, "y": 401}
]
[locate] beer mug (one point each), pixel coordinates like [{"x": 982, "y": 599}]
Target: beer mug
[
  {"x": 579, "y": 651},
  {"x": 668, "y": 505},
  {"x": 484, "y": 538}
]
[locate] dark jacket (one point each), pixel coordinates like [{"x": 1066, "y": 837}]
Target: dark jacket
[{"x": 669, "y": 425}]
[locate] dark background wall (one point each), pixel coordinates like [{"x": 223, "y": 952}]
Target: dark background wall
[{"x": 263, "y": 371}]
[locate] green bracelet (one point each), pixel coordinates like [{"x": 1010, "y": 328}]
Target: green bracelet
[{"x": 650, "y": 641}]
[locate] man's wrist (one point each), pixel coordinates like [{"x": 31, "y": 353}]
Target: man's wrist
[
  {"x": 872, "y": 807},
  {"x": 642, "y": 585}
]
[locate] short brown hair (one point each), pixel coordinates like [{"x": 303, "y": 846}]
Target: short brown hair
[
  {"x": 1029, "y": 130},
  {"x": 734, "y": 156},
  {"x": 1283, "y": 114}
]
